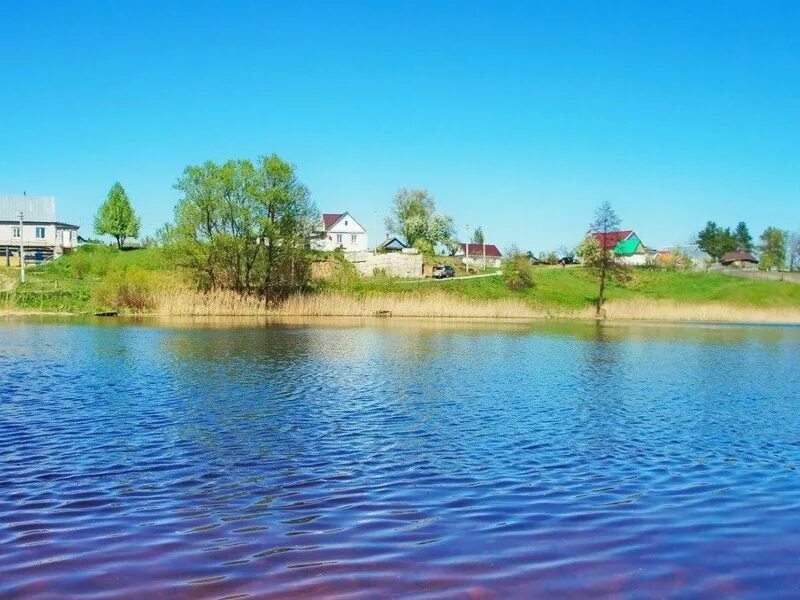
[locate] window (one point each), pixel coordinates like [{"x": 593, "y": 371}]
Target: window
[
  {"x": 345, "y": 222},
  {"x": 15, "y": 233},
  {"x": 40, "y": 233},
  {"x": 338, "y": 238}
]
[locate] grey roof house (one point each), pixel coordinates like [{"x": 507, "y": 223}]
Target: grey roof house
[{"x": 41, "y": 235}]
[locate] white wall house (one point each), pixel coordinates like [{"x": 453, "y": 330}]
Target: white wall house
[
  {"x": 339, "y": 231},
  {"x": 480, "y": 255},
  {"x": 42, "y": 236}
]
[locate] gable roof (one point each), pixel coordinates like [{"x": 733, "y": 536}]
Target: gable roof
[
  {"x": 612, "y": 238},
  {"x": 628, "y": 246},
  {"x": 477, "y": 250},
  {"x": 331, "y": 219},
  {"x": 393, "y": 243},
  {"x": 39, "y": 209},
  {"x": 737, "y": 256}
]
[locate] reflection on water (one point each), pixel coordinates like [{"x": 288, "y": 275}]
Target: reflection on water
[{"x": 397, "y": 458}]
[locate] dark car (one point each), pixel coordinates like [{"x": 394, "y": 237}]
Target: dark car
[{"x": 443, "y": 271}]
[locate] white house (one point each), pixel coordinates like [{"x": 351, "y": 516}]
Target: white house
[
  {"x": 339, "y": 231},
  {"x": 42, "y": 236},
  {"x": 480, "y": 255}
]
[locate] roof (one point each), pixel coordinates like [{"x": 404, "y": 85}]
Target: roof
[
  {"x": 329, "y": 219},
  {"x": 40, "y": 209},
  {"x": 691, "y": 250},
  {"x": 393, "y": 243},
  {"x": 627, "y": 246},
  {"x": 737, "y": 256},
  {"x": 612, "y": 238},
  {"x": 477, "y": 250}
]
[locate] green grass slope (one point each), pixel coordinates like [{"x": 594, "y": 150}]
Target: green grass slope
[{"x": 74, "y": 284}]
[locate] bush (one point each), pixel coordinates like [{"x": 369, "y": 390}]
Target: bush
[
  {"x": 517, "y": 273},
  {"x": 79, "y": 265},
  {"x": 128, "y": 288}
]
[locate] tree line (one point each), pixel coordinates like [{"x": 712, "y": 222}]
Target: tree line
[{"x": 777, "y": 248}]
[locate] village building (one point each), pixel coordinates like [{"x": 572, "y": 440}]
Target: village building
[
  {"x": 740, "y": 259},
  {"x": 339, "y": 231},
  {"x": 41, "y": 235},
  {"x": 626, "y": 245},
  {"x": 393, "y": 244},
  {"x": 479, "y": 255}
]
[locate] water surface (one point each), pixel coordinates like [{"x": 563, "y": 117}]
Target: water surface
[{"x": 387, "y": 459}]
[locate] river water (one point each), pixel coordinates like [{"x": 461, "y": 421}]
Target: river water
[{"x": 398, "y": 459}]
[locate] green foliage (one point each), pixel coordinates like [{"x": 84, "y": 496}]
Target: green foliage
[
  {"x": 243, "y": 226},
  {"x": 773, "y": 249},
  {"x": 116, "y": 216},
  {"x": 69, "y": 284},
  {"x": 131, "y": 288},
  {"x": 518, "y": 273},
  {"x": 550, "y": 258},
  {"x": 744, "y": 241},
  {"x": 478, "y": 237},
  {"x": 716, "y": 242},
  {"x": 414, "y": 218}
]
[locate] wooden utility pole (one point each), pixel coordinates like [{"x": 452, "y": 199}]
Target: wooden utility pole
[{"x": 21, "y": 250}]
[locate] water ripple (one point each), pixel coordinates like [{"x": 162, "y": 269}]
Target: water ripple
[{"x": 403, "y": 461}]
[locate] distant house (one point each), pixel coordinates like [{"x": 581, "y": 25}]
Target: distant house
[
  {"x": 626, "y": 245},
  {"x": 393, "y": 244},
  {"x": 739, "y": 259},
  {"x": 339, "y": 231},
  {"x": 42, "y": 236},
  {"x": 479, "y": 254},
  {"x": 696, "y": 256}
]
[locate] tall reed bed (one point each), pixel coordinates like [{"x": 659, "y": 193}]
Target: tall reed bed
[
  {"x": 443, "y": 305},
  {"x": 331, "y": 304}
]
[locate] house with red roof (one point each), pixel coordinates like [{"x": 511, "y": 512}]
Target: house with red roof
[
  {"x": 626, "y": 245},
  {"x": 474, "y": 255},
  {"x": 339, "y": 231}
]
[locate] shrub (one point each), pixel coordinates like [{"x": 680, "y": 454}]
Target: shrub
[
  {"x": 128, "y": 288},
  {"x": 79, "y": 265},
  {"x": 517, "y": 273}
]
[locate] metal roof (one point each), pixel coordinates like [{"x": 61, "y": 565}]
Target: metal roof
[{"x": 34, "y": 208}]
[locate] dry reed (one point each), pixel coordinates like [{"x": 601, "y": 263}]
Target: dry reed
[
  {"x": 442, "y": 305},
  {"x": 438, "y": 305}
]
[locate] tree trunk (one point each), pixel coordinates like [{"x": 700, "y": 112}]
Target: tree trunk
[{"x": 602, "y": 292}]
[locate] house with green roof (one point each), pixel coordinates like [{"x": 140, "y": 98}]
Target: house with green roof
[{"x": 627, "y": 246}]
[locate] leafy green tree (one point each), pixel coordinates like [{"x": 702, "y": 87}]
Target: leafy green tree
[
  {"x": 477, "y": 237},
  {"x": 744, "y": 241},
  {"x": 243, "y": 226},
  {"x": 773, "y": 249},
  {"x": 715, "y": 241},
  {"x": 599, "y": 258},
  {"x": 415, "y": 219},
  {"x": 116, "y": 216}
]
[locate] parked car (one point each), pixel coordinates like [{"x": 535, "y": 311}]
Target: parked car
[
  {"x": 568, "y": 260},
  {"x": 443, "y": 271}
]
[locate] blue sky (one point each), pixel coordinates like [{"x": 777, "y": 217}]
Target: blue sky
[{"x": 519, "y": 117}]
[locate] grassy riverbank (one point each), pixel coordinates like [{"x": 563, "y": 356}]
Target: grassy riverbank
[{"x": 147, "y": 281}]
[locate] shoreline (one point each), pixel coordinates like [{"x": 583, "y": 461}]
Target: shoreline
[{"x": 650, "y": 312}]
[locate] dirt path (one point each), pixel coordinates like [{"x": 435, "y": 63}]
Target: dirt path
[{"x": 462, "y": 278}]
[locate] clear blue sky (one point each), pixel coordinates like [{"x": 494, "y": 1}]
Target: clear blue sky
[{"x": 520, "y": 117}]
